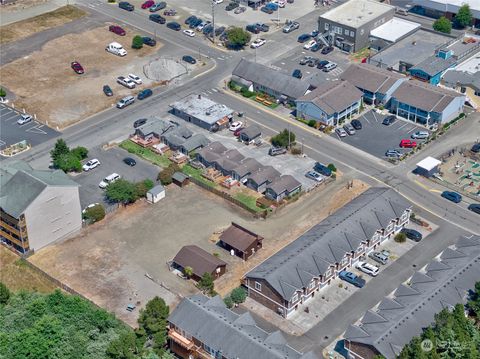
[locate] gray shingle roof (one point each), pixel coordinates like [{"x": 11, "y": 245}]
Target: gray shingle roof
[
  {"x": 442, "y": 283},
  {"x": 454, "y": 78},
  {"x": 21, "y": 184},
  {"x": 272, "y": 79},
  {"x": 328, "y": 241},
  {"x": 157, "y": 190},
  {"x": 334, "y": 96},
  {"x": 235, "y": 336},
  {"x": 252, "y": 131},
  {"x": 247, "y": 166},
  {"x": 433, "y": 65},
  {"x": 284, "y": 183},
  {"x": 264, "y": 174},
  {"x": 196, "y": 141},
  {"x": 370, "y": 78},
  {"x": 424, "y": 96},
  {"x": 154, "y": 125}
]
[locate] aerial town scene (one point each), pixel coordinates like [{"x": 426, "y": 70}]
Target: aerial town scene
[{"x": 239, "y": 179}]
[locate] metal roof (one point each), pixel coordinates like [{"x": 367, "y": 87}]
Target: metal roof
[
  {"x": 157, "y": 190},
  {"x": 441, "y": 284},
  {"x": 355, "y": 13},
  {"x": 202, "y": 108},
  {"x": 327, "y": 242},
  {"x": 433, "y": 65},
  {"x": 235, "y": 336},
  {"x": 371, "y": 78}
]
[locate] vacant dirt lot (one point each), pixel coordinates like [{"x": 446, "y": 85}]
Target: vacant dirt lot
[
  {"x": 110, "y": 262},
  {"x": 45, "y": 84}
]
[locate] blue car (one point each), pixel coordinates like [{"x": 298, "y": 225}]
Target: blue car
[
  {"x": 352, "y": 278},
  {"x": 304, "y": 37},
  {"x": 322, "y": 169},
  {"x": 272, "y": 6},
  {"x": 144, "y": 94},
  {"x": 452, "y": 196}
]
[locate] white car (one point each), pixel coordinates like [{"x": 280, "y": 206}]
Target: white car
[
  {"x": 109, "y": 179},
  {"x": 135, "y": 79},
  {"x": 90, "y": 206},
  {"x": 341, "y": 132},
  {"x": 24, "y": 119},
  {"x": 257, "y": 43},
  {"x": 90, "y": 165},
  {"x": 281, "y": 3},
  {"x": 126, "y": 81},
  {"x": 421, "y": 135},
  {"x": 368, "y": 268},
  {"x": 189, "y": 32},
  {"x": 236, "y": 125},
  {"x": 309, "y": 44},
  {"x": 217, "y": 1}
]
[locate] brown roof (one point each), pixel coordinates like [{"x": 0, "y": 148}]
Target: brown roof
[
  {"x": 424, "y": 96},
  {"x": 370, "y": 78},
  {"x": 333, "y": 97},
  {"x": 239, "y": 237},
  {"x": 198, "y": 259}
]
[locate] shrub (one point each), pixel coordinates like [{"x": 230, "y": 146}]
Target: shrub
[
  {"x": 80, "y": 152},
  {"x": 188, "y": 271},
  {"x": 94, "y": 214},
  {"x": 237, "y": 37},
  {"x": 228, "y": 302},
  {"x": 238, "y": 295},
  {"x": 3, "y": 93},
  {"x": 4, "y": 294},
  {"x": 206, "y": 283},
  {"x": 332, "y": 167},
  {"x": 312, "y": 123},
  {"x": 443, "y": 25},
  {"x": 122, "y": 191},
  {"x": 400, "y": 237},
  {"x": 68, "y": 162},
  {"x": 137, "y": 42},
  {"x": 165, "y": 177},
  {"x": 143, "y": 187},
  {"x": 296, "y": 151},
  {"x": 283, "y": 139}
]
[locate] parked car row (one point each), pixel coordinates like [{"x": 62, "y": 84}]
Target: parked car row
[
  {"x": 257, "y": 28},
  {"x": 323, "y": 65},
  {"x": 349, "y": 128}
]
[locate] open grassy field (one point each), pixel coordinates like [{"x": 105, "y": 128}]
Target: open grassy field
[{"x": 16, "y": 274}]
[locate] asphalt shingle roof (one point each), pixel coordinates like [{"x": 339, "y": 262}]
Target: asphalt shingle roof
[
  {"x": 239, "y": 237},
  {"x": 442, "y": 283},
  {"x": 433, "y": 65},
  {"x": 236, "y": 336},
  {"x": 454, "y": 78},
  {"x": 272, "y": 79},
  {"x": 284, "y": 183},
  {"x": 264, "y": 174},
  {"x": 327, "y": 242},
  {"x": 370, "y": 78},
  {"x": 198, "y": 259}
]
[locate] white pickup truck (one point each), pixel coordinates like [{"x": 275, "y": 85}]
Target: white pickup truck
[{"x": 116, "y": 49}]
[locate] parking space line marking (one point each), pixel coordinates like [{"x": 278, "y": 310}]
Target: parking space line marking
[
  {"x": 366, "y": 119},
  {"x": 412, "y": 129},
  {"x": 6, "y": 119},
  {"x": 405, "y": 124},
  {"x": 373, "y": 114}
]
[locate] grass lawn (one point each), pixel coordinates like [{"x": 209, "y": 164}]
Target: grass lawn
[
  {"x": 197, "y": 174},
  {"x": 249, "y": 201},
  {"x": 148, "y": 154}
]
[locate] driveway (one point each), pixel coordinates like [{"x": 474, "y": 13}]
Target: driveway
[
  {"x": 376, "y": 138},
  {"x": 111, "y": 162}
]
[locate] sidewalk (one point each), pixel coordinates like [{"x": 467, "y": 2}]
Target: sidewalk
[{"x": 9, "y": 17}]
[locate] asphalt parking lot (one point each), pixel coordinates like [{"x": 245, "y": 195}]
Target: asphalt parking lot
[
  {"x": 376, "y": 138},
  {"x": 111, "y": 162},
  {"x": 10, "y": 132}
]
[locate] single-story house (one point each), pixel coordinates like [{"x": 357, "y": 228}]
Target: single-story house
[
  {"x": 282, "y": 187},
  {"x": 260, "y": 78},
  {"x": 427, "y": 167},
  {"x": 331, "y": 103},
  {"x": 228, "y": 161},
  {"x": 200, "y": 261},
  {"x": 155, "y": 194},
  {"x": 466, "y": 83},
  {"x": 202, "y": 112},
  {"x": 432, "y": 68},
  {"x": 377, "y": 84},
  {"x": 210, "y": 153},
  {"x": 260, "y": 179},
  {"x": 426, "y": 104},
  {"x": 245, "y": 168},
  {"x": 180, "y": 179},
  {"x": 250, "y": 133},
  {"x": 154, "y": 127},
  {"x": 240, "y": 241}
]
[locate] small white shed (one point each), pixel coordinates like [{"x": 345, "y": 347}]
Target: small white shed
[{"x": 156, "y": 194}]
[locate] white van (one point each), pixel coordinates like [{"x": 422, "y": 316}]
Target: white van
[
  {"x": 124, "y": 102},
  {"x": 329, "y": 67},
  {"x": 109, "y": 179},
  {"x": 116, "y": 49}
]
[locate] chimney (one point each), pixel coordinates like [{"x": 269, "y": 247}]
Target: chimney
[{"x": 199, "y": 97}]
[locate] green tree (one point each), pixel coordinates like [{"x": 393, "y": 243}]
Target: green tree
[
  {"x": 474, "y": 303},
  {"x": 238, "y": 295},
  {"x": 332, "y": 167},
  {"x": 124, "y": 347},
  {"x": 443, "y": 25},
  {"x": 143, "y": 187},
  {"x": 237, "y": 37},
  {"x": 80, "y": 152},
  {"x": 283, "y": 139},
  {"x": 188, "y": 271},
  {"x": 122, "y": 191},
  {"x": 68, "y": 162},
  {"x": 3, "y": 93},
  {"x": 228, "y": 302},
  {"x": 4, "y": 294},
  {"x": 137, "y": 42},
  {"x": 206, "y": 283},
  {"x": 165, "y": 177},
  {"x": 464, "y": 17},
  {"x": 153, "y": 319},
  {"x": 94, "y": 214},
  {"x": 59, "y": 149}
]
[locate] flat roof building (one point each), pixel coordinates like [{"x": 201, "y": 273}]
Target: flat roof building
[
  {"x": 394, "y": 30},
  {"x": 447, "y": 8}
]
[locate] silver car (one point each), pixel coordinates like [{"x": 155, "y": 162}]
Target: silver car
[
  {"x": 349, "y": 128},
  {"x": 379, "y": 257},
  {"x": 317, "y": 177},
  {"x": 341, "y": 132},
  {"x": 420, "y": 135},
  {"x": 24, "y": 119}
]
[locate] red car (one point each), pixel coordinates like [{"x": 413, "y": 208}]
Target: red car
[
  {"x": 408, "y": 143},
  {"x": 148, "y": 4},
  {"x": 117, "y": 30},
  {"x": 237, "y": 132},
  {"x": 77, "y": 67}
]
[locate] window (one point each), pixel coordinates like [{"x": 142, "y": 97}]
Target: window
[
  {"x": 346, "y": 32},
  {"x": 312, "y": 285},
  {"x": 477, "y": 93},
  {"x": 362, "y": 31},
  {"x": 327, "y": 25},
  {"x": 295, "y": 298},
  {"x": 352, "y": 34},
  {"x": 258, "y": 286}
]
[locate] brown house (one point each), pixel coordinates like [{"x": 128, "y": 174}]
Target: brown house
[
  {"x": 241, "y": 241},
  {"x": 200, "y": 261}
]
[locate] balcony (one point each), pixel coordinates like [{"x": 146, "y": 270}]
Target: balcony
[{"x": 180, "y": 340}]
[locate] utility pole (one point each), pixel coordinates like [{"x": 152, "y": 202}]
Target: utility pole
[{"x": 213, "y": 21}]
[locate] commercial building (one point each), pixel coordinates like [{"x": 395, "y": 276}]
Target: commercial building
[
  {"x": 36, "y": 207},
  {"x": 240, "y": 241},
  {"x": 202, "y": 327},
  {"x": 203, "y": 112},
  {"x": 330, "y": 103},
  {"x": 405, "y": 313},
  {"x": 447, "y": 8},
  {"x": 394, "y": 30},
  {"x": 349, "y": 25},
  {"x": 432, "y": 69},
  {"x": 292, "y": 276}
]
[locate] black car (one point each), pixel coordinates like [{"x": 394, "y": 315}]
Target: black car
[
  {"x": 297, "y": 73},
  {"x": 475, "y": 148},
  {"x": 107, "y": 90},
  {"x": 129, "y": 161},
  {"x": 475, "y": 207},
  {"x": 412, "y": 234},
  {"x": 194, "y": 23},
  {"x": 149, "y": 41},
  {"x": 262, "y": 27},
  {"x": 322, "y": 169},
  {"x": 189, "y": 59},
  {"x": 316, "y": 47},
  {"x": 313, "y": 62},
  {"x": 321, "y": 64},
  {"x": 327, "y": 50},
  {"x": 387, "y": 121},
  {"x": 144, "y": 94},
  {"x": 253, "y": 29},
  {"x": 174, "y": 26},
  {"x": 304, "y": 37},
  {"x": 207, "y": 29},
  {"x": 157, "y": 18},
  {"x": 231, "y": 6},
  {"x": 356, "y": 124},
  {"x": 266, "y": 10},
  {"x": 190, "y": 19},
  {"x": 126, "y": 6},
  {"x": 139, "y": 122}
]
